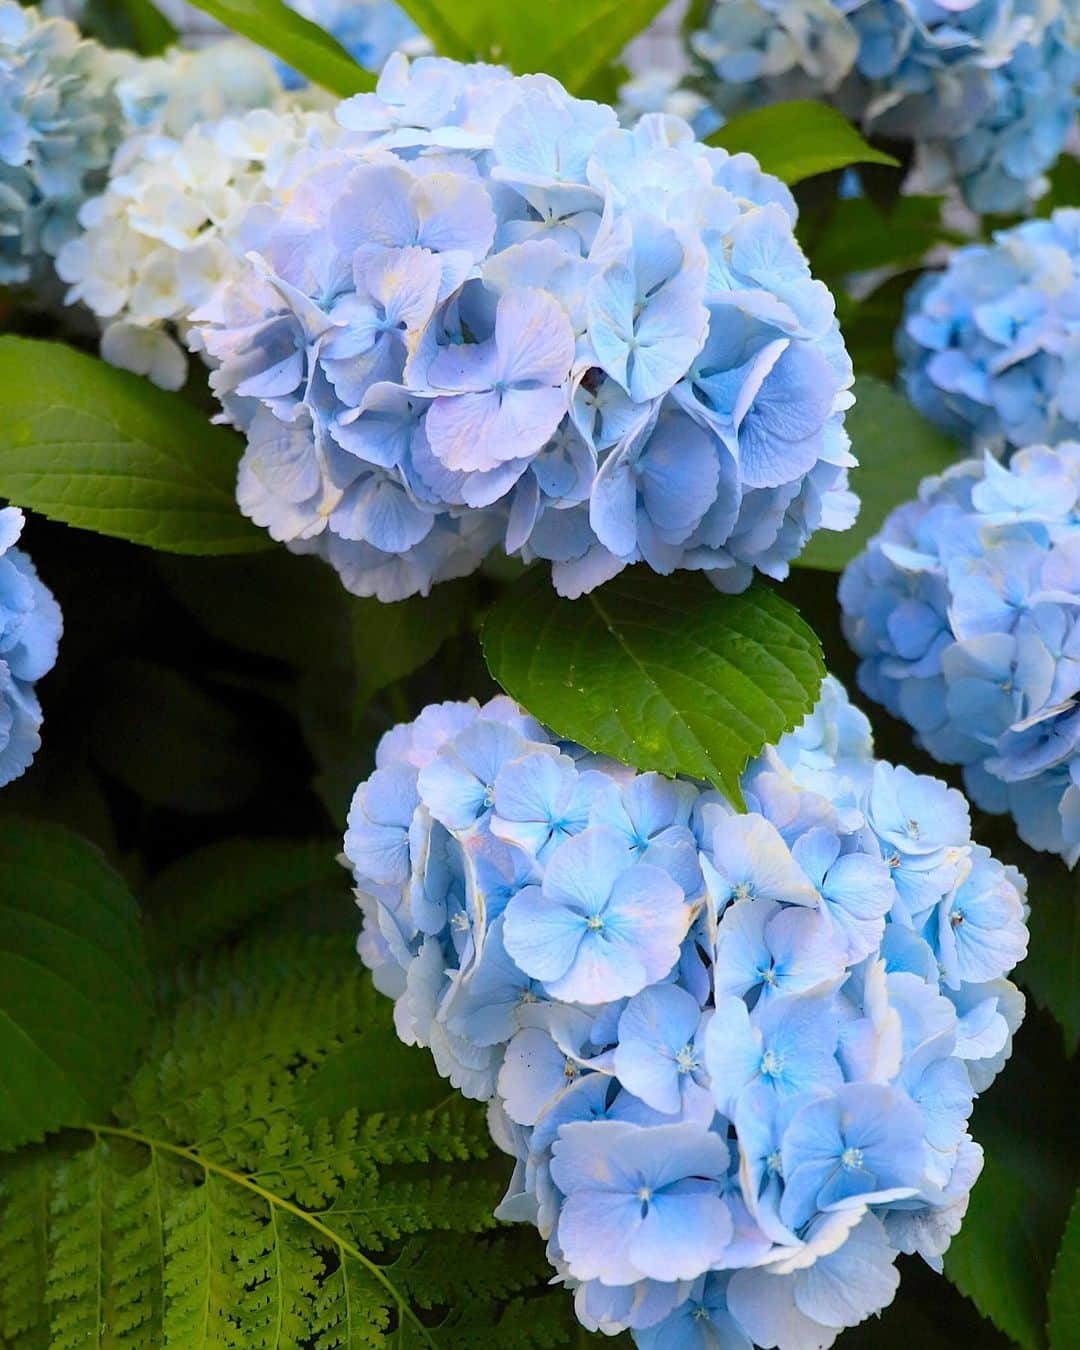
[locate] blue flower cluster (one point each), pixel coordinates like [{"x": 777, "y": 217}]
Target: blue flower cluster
[
  {"x": 59, "y": 125},
  {"x": 965, "y": 610},
  {"x": 30, "y": 627},
  {"x": 986, "y": 90},
  {"x": 733, "y": 1056},
  {"x": 990, "y": 347},
  {"x": 488, "y": 312}
]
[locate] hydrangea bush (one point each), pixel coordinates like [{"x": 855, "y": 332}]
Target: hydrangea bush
[
  {"x": 990, "y": 347},
  {"x": 965, "y": 612},
  {"x": 490, "y": 314},
  {"x": 984, "y": 90},
  {"x": 30, "y": 626},
  {"x": 733, "y": 1056}
]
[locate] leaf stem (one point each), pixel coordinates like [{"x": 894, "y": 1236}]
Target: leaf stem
[{"x": 342, "y": 1245}]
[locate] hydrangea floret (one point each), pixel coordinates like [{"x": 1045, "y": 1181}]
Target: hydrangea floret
[
  {"x": 990, "y": 347},
  {"x": 30, "y": 627},
  {"x": 155, "y": 245},
  {"x": 489, "y": 313},
  {"x": 984, "y": 90},
  {"x": 965, "y": 612},
  {"x": 59, "y": 125},
  {"x": 732, "y": 1056}
]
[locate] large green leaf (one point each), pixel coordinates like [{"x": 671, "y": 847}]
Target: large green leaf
[
  {"x": 662, "y": 673},
  {"x": 97, "y": 447},
  {"x": 798, "y": 139},
  {"x": 896, "y": 449},
  {"x": 391, "y": 641},
  {"x": 128, "y": 23},
  {"x": 300, "y": 43},
  {"x": 1052, "y": 970},
  {"x": 1004, "y": 1253},
  {"x": 1063, "y": 1326},
  {"x": 209, "y": 894},
  {"x": 172, "y": 743},
  {"x": 74, "y": 987},
  {"x": 570, "y": 39}
]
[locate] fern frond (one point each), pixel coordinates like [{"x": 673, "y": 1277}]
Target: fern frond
[
  {"x": 220, "y": 1211},
  {"x": 25, "y": 1197}
]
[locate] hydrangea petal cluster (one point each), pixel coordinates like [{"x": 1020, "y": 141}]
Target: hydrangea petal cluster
[
  {"x": 489, "y": 313},
  {"x": 30, "y": 627},
  {"x": 965, "y": 610},
  {"x": 733, "y": 1056},
  {"x": 990, "y": 347},
  {"x": 986, "y": 90},
  {"x": 154, "y": 246},
  {"x": 59, "y": 125}
]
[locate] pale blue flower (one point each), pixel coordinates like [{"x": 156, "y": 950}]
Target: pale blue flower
[
  {"x": 602, "y": 926},
  {"x": 640, "y": 1202},
  {"x": 986, "y": 93},
  {"x": 59, "y": 125},
  {"x": 30, "y": 628},
  {"x": 965, "y": 612},
  {"x": 733, "y": 1057},
  {"x": 660, "y": 1056},
  {"x": 479, "y": 309}
]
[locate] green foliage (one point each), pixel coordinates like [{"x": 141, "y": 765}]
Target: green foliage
[
  {"x": 660, "y": 672},
  {"x": 74, "y": 988},
  {"x": 571, "y": 39},
  {"x": 797, "y": 140},
  {"x": 214, "y": 892},
  {"x": 171, "y": 742},
  {"x": 97, "y": 447},
  {"x": 302, "y": 44},
  {"x": 896, "y": 449},
  {"x": 216, "y": 1207},
  {"x": 129, "y": 23},
  {"x": 858, "y": 234},
  {"x": 1063, "y": 1326},
  {"x": 1052, "y": 970},
  {"x": 1003, "y": 1255},
  {"x": 391, "y": 641}
]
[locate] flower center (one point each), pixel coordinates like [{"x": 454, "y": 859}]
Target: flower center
[
  {"x": 742, "y": 891},
  {"x": 771, "y": 1064},
  {"x": 913, "y": 829},
  {"x": 594, "y": 921},
  {"x": 774, "y": 1164},
  {"x": 851, "y": 1158},
  {"x": 686, "y": 1059}
]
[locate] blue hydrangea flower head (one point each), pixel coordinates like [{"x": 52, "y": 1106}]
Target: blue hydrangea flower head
[
  {"x": 985, "y": 91},
  {"x": 965, "y": 612},
  {"x": 989, "y": 347},
  {"x": 733, "y": 1057},
  {"x": 59, "y": 125},
  {"x": 30, "y": 627},
  {"x": 485, "y": 314}
]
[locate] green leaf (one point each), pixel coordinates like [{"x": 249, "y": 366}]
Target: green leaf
[
  {"x": 859, "y": 234},
  {"x": 798, "y": 139},
  {"x": 1052, "y": 969},
  {"x": 207, "y": 895},
  {"x": 896, "y": 449},
  {"x": 1063, "y": 1301},
  {"x": 391, "y": 641},
  {"x": 74, "y": 987},
  {"x": 660, "y": 672},
  {"x": 303, "y": 45},
  {"x": 1003, "y": 1255},
  {"x": 100, "y": 448},
  {"x": 129, "y": 23},
  {"x": 570, "y": 39},
  {"x": 171, "y": 743}
]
